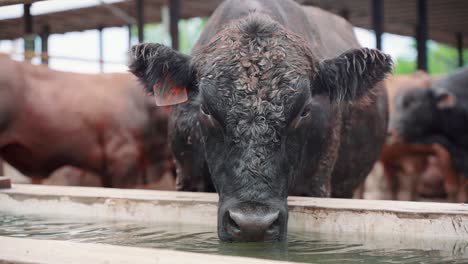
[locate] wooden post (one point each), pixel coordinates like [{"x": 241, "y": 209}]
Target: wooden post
[
  {"x": 377, "y": 21},
  {"x": 460, "y": 43},
  {"x": 45, "y": 44},
  {"x": 421, "y": 35},
  {"x": 1, "y": 167},
  {"x": 101, "y": 50},
  {"x": 28, "y": 30},
  {"x": 140, "y": 20},
  {"x": 344, "y": 13},
  {"x": 174, "y": 16}
]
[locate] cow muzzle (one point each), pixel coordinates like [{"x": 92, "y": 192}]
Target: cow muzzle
[{"x": 251, "y": 222}]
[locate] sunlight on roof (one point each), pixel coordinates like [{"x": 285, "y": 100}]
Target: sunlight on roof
[
  {"x": 11, "y": 11},
  {"x": 44, "y": 7}
]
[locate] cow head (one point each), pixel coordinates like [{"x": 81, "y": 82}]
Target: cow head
[
  {"x": 264, "y": 106},
  {"x": 417, "y": 113}
]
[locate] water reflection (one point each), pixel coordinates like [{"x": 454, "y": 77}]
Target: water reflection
[{"x": 300, "y": 247}]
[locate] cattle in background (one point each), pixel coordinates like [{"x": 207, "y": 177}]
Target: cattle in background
[
  {"x": 102, "y": 123},
  {"x": 406, "y": 165},
  {"x": 408, "y": 169},
  {"x": 402, "y": 163},
  {"x": 278, "y": 103},
  {"x": 432, "y": 180},
  {"x": 70, "y": 176},
  {"x": 438, "y": 115}
]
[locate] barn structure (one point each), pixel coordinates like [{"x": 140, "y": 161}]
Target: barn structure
[{"x": 444, "y": 21}]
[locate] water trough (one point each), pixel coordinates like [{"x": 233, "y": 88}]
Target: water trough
[{"x": 378, "y": 224}]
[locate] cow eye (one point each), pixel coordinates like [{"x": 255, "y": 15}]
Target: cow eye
[
  {"x": 298, "y": 120},
  {"x": 204, "y": 110},
  {"x": 305, "y": 112},
  {"x": 207, "y": 118}
]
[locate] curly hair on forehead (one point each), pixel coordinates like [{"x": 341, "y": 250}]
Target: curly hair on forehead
[
  {"x": 254, "y": 67},
  {"x": 255, "y": 37}
]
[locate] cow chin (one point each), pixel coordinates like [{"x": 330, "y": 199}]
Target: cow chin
[{"x": 252, "y": 221}]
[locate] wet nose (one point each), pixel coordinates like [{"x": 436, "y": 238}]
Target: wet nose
[{"x": 252, "y": 226}]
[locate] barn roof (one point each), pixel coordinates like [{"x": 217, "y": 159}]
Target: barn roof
[
  {"x": 14, "y": 2},
  {"x": 100, "y": 16},
  {"x": 446, "y": 18}
]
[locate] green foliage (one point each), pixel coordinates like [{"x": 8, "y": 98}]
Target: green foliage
[
  {"x": 157, "y": 33},
  {"x": 189, "y": 32},
  {"x": 404, "y": 66},
  {"x": 442, "y": 59}
]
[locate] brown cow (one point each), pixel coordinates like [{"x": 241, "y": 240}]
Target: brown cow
[
  {"x": 101, "y": 123},
  {"x": 71, "y": 176},
  {"x": 403, "y": 165},
  {"x": 431, "y": 183}
]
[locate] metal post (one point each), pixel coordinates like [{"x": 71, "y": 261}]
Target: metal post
[
  {"x": 28, "y": 30},
  {"x": 377, "y": 21},
  {"x": 101, "y": 50},
  {"x": 421, "y": 35},
  {"x": 140, "y": 20},
  {"x": 45, "y": 44},
  {"x": 174, "y": 16},
  {"x": 129, "y": 29},
  {"x": 459, "y": 37}
]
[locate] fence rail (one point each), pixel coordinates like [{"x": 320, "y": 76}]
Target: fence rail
[{"x": 46, "y": 56}]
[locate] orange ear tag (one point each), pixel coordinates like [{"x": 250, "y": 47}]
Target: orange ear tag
[{"x": 169, "y": 95}]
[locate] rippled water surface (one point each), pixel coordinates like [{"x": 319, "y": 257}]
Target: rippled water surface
[{"x": 300, "y": 247}]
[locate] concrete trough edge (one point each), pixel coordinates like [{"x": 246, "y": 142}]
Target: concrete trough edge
[
  {"x": 363, "y": 218},
  {"x": 22, "y": 250}
]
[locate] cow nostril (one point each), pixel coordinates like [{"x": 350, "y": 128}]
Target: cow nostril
[
  {"x": 273, "y": 227},
  {"x": 252, "y": 226},
  {"x": 231, "y": 224}
]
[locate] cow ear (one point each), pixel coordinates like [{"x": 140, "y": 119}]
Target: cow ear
[
  {"x": 352, "y": 74},
  {"x": 165, "y": 73},
  {"x": 446, "y": 100}
]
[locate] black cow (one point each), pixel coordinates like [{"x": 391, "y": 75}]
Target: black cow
[
  {"x": 277, "y": 105},
  {"x": 437, "y": 115}
]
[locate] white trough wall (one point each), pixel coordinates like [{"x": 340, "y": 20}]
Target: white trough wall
[
  {"x": 375, "y": 224},
  {"x": 359, "y": 217}
]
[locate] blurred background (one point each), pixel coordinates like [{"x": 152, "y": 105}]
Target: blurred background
[{"x": 94, "y": 36}]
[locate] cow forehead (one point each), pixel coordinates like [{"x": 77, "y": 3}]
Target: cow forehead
[
  {"x": 254, "y": 79},
  {"x": 252, "y": 68}
]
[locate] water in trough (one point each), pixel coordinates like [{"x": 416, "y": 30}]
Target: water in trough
[{"x": 300, "y": 247}]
